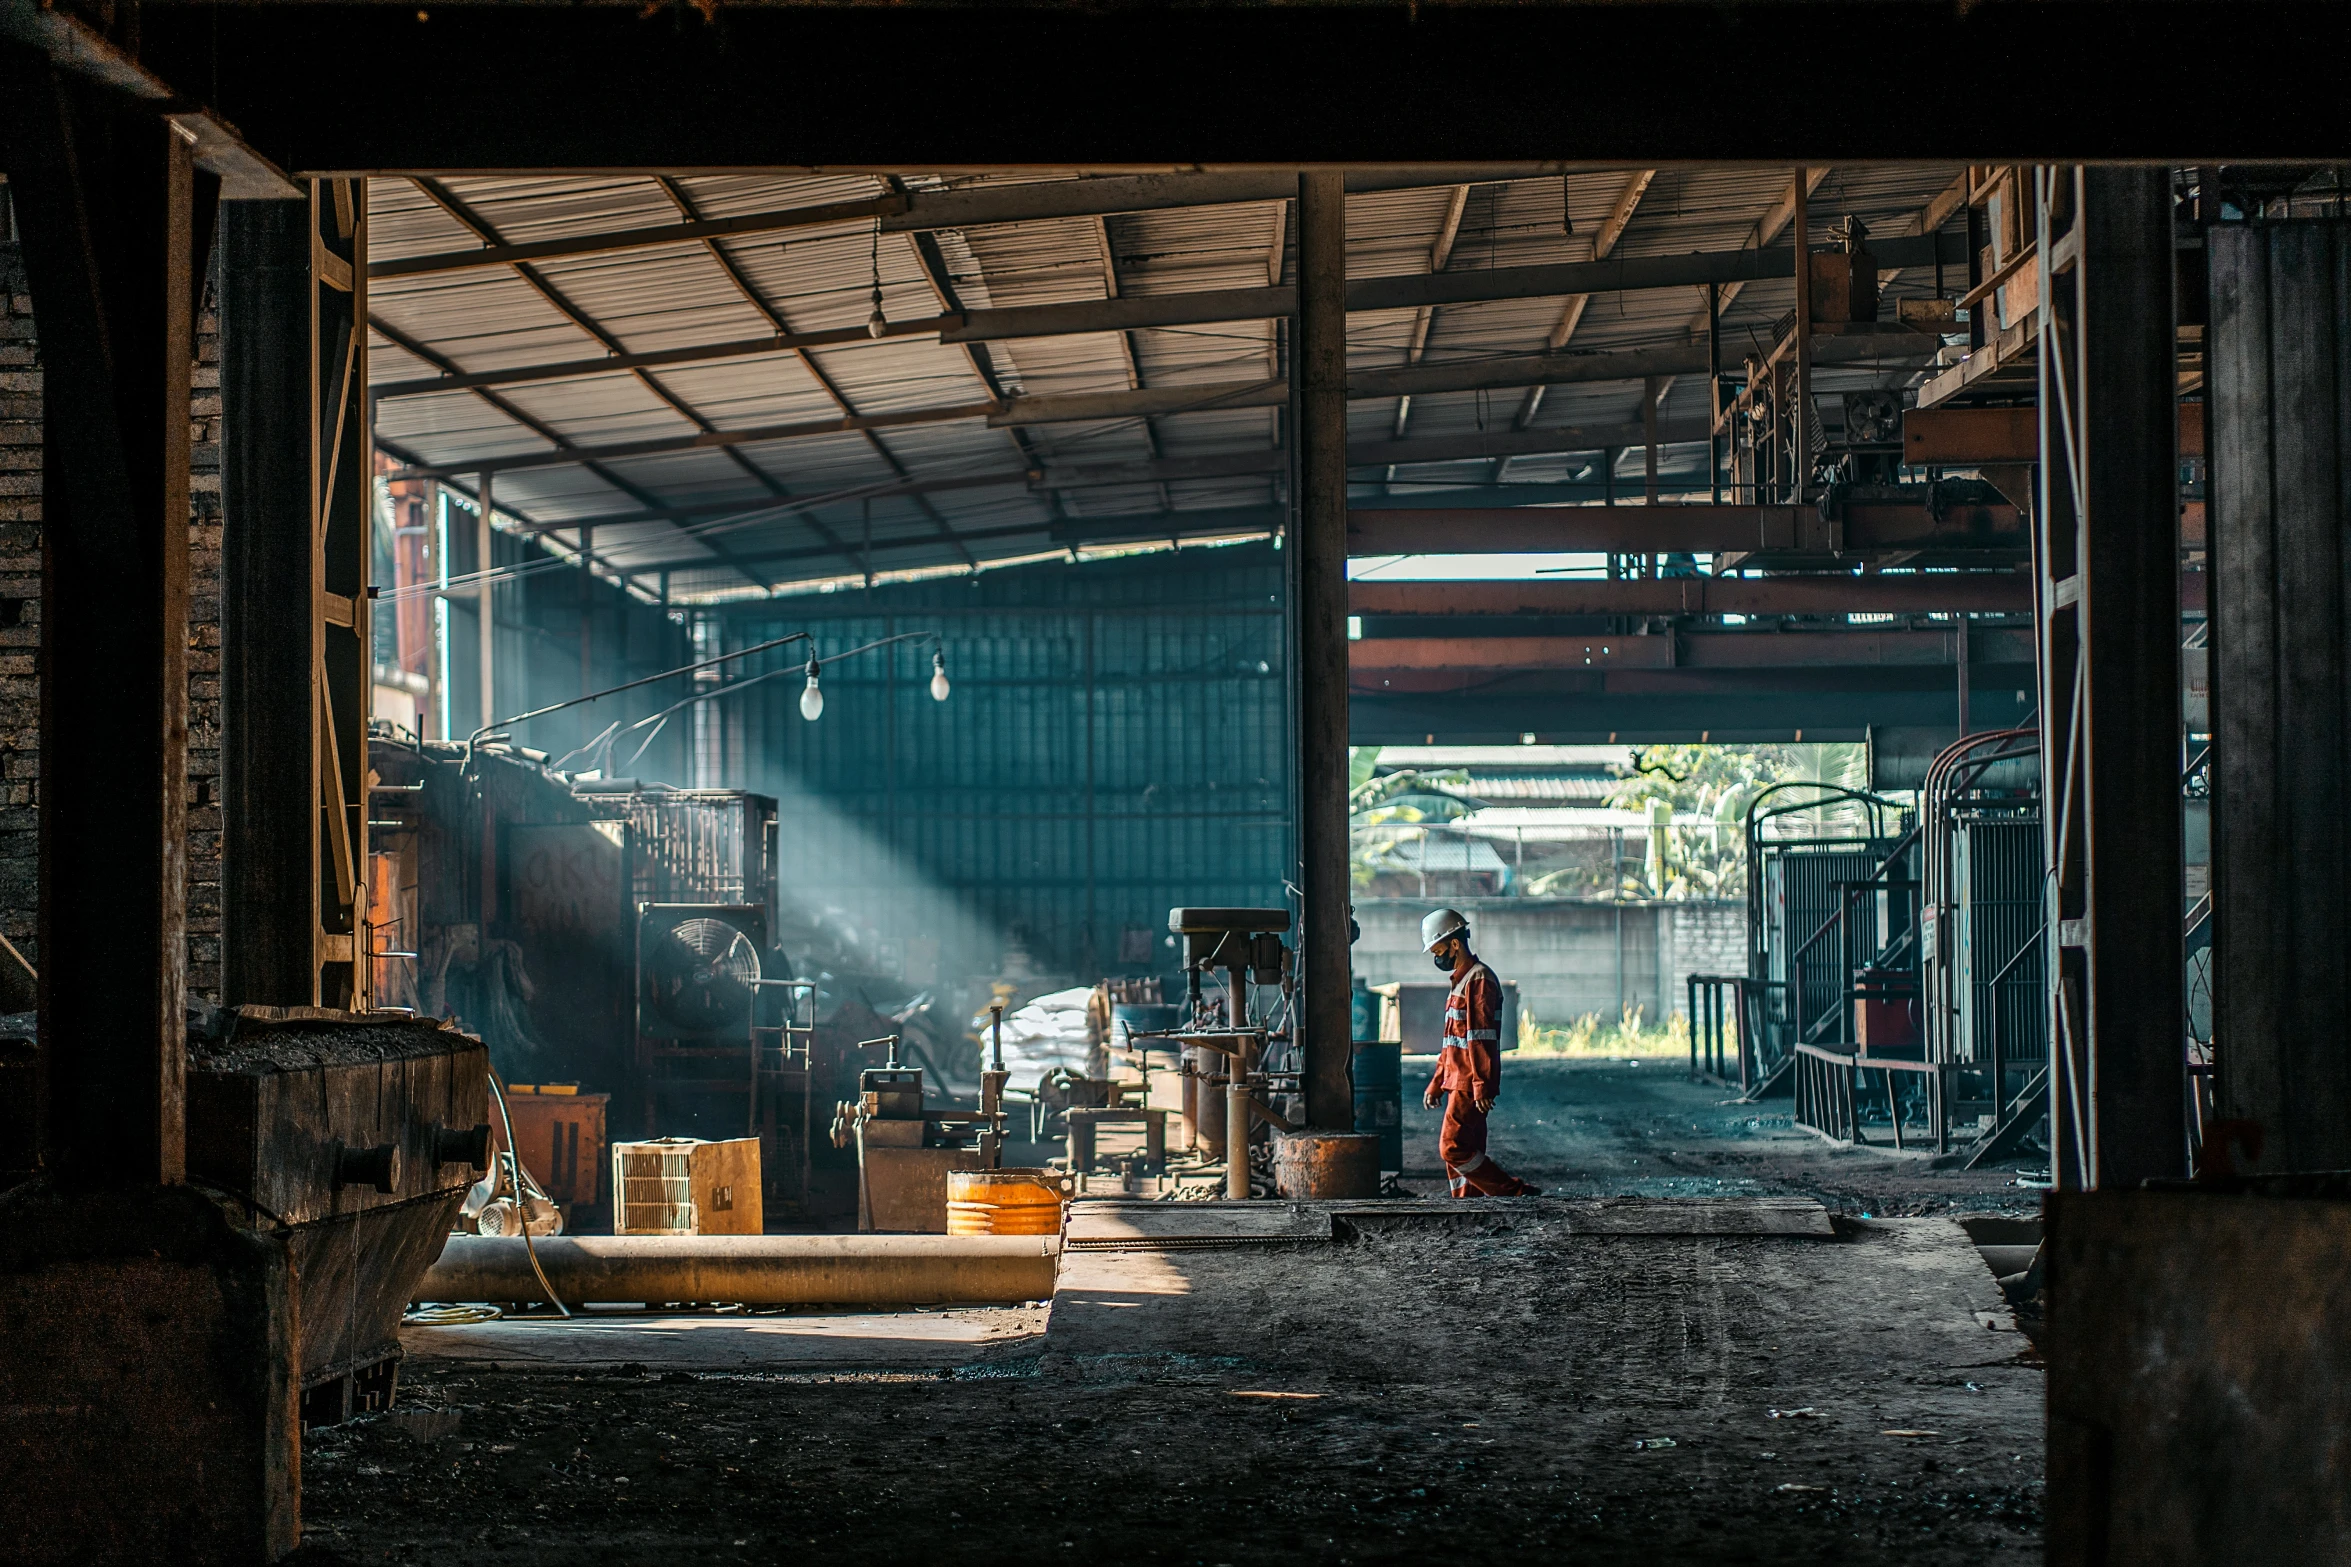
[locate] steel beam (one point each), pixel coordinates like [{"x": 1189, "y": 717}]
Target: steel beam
[
  {"x": 1978, "y": 592},
  {"x": 1083, "y": 407},
  {"x": 568, "y": 369},
  {"x": 1682, "y": 713},
  {"x": 1417, "y": 290},
  {"x": 1896, "y": 348},
  {"x": 1318, "y": 581},
  {"x": 1068, "y": 533},
  {"x": 716, "y": 440},
  {"x": 1696, "y": 528},
  {"x": 2109, "y": 598},
  {"x": 113, "y": 227},
  {"x": 269, "y": 800},
  {"x": 1858, "y": 648},
  {"x": 970, "y": 206}
]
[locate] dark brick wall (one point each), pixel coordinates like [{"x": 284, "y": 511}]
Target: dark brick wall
[
  {"x": 20, "y": 619},
  {"x": 204, "y": 660},
  {"x": 20, "y": 640}
]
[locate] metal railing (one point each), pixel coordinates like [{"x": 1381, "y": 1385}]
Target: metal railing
[
  {"x": 1730, "y": 1034},
  {"x": 1833, "y": 1094}
]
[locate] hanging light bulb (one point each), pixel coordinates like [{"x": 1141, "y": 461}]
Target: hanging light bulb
[
  {"x": 939, "y": 687},
  {"x": 877, "y": 324},
  {"x": 812, "y": 696}
]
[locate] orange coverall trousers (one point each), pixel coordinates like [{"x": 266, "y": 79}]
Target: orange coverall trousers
[{"x": 1461, "y": 1143}]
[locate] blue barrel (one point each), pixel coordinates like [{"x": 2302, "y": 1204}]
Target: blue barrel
[
  {"x": 1379, "y": 1098},
  {"x": 1367, "y": 1009}
]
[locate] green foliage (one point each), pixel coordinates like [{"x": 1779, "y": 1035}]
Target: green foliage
[
  {"x": 1587, "y": 1036},
  {"x": 1717, "y": 783},
  {"x": 1402, "y": 800}
]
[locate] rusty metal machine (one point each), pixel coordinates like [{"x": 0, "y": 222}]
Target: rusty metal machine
[
  {"x": 1227, "y": 1043},
  {"x": 905, "y": 1150},
  {"x": 355, "y": 1136}
]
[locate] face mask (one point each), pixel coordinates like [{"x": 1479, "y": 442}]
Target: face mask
[{"x": 1444, "y": 963}]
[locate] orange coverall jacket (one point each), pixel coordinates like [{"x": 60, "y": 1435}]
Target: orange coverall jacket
[{"x": 1470, "y": 1060}]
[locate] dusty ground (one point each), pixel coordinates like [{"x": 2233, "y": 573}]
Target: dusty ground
[
  {"x": 1499, "y": 1390},
  {"x": 1597, "y": 1128}
]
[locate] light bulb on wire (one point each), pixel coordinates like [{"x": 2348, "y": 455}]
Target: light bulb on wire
[
  {"x": 939, "y": 686},
  {"x": 812, "y": 696}
]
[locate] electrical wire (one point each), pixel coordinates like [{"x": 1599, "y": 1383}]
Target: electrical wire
[
  {"x": 687, "y": 669},
  {"x": 514, "y": 1178}
]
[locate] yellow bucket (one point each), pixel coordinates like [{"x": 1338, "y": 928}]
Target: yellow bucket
[{"x": 1004, "y": 1202}]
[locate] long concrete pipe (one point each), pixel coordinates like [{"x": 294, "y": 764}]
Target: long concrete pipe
[{"x": 757, "y": 1270}]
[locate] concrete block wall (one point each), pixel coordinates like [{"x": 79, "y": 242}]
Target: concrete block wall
[
  {"x": 1701, "y": 938},
  {"x": 1565, "y": 955},
  {"x": 20, "y": 640}
]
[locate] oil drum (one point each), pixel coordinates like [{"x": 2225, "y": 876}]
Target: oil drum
[{"x": 1004, "y": 1202}]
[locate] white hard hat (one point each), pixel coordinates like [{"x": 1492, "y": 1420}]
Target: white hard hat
[{"x": 1443, "y": 923}]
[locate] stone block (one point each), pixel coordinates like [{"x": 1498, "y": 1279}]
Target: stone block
[
  {"x": 147, "y": 1388},
  {"x": 2199, "y": 1351}
]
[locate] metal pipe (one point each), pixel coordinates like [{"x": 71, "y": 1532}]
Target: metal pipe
[
  {"x": 1237, "y": 1121},
  {"x": 757, "y": 1270}
]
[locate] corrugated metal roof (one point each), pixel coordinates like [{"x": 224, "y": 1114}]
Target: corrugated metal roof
[{"x": 933, "y": 494}]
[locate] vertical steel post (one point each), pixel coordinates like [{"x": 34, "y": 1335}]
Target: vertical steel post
[
  {"x": 269, "y": 798},
  {"x": 587, "y": 610},
  {"x": 436, "y": 673},
  {"x": 108, "y": 200},
  {"x": 485, "y": 600},
  {"x": 1714, "y": 390},
  {"x": 1650, "y": 394},
  {"x": 1962, "y": 661},
  {"x": 2107, "y": 529},
  {"x": 1320, "y": 616},
  {"x": 1801, "y": 431}
]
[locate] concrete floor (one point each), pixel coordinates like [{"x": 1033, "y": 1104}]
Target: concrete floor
[
  {"x": 1642, "y": 1127},
  {"x": 1722, "y": 1380}
]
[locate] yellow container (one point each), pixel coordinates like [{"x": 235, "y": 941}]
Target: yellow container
[{"x": 1004, "y": 1202}]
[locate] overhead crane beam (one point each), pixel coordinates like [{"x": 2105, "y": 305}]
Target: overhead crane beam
[
  {"x": 1696, "y": 529},
  {"x": 1856, "y": 648},
  {"x": 1662, "y": 707},
  {"x": 1913, "y": 593}
]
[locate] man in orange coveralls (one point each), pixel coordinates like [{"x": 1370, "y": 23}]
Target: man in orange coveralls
[{"x": 1469, "y": 1065}]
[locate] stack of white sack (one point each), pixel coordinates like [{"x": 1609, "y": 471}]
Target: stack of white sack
[{"x": 1048, "y": 1032}]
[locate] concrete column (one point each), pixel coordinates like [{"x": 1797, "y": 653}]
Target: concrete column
[
  {"x": 1319, "y": 614},
  {"x": 2281, "y": 662},
  {"x": 2108, "y": 528}
]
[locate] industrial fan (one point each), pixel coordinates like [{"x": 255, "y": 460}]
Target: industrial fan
[{"x": 696, "y": 964}]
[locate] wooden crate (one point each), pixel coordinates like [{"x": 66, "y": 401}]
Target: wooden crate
[{"x": 686, "y": 1186}]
